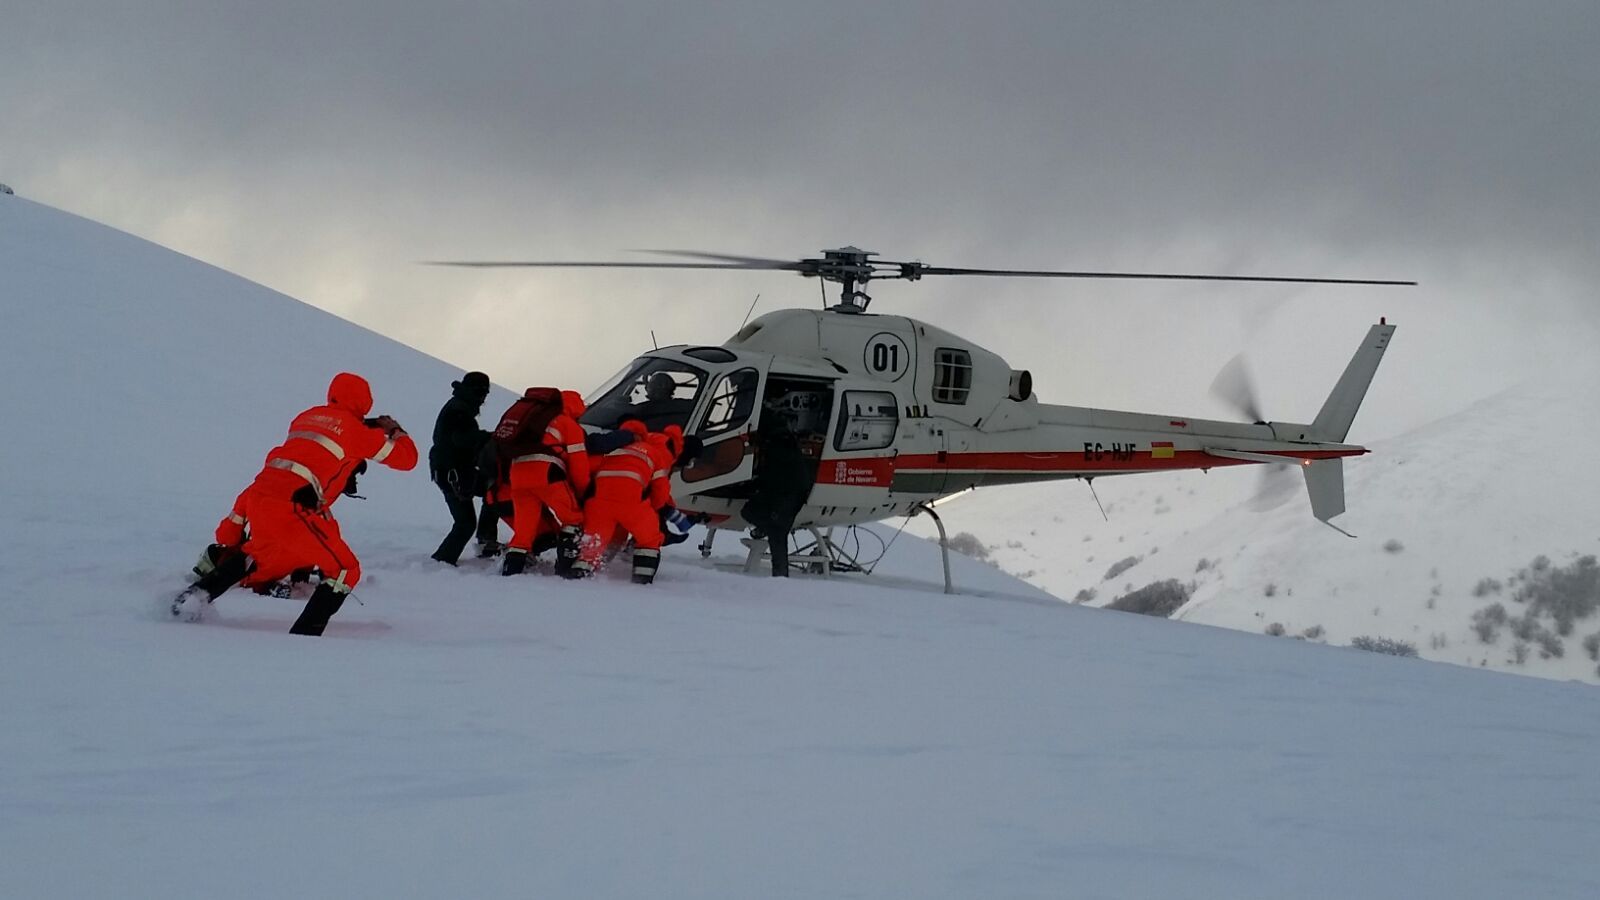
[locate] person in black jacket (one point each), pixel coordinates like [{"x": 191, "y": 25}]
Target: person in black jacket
[
  {"x": 453, "y": 464},
  {"x": 783, "y": 479}
]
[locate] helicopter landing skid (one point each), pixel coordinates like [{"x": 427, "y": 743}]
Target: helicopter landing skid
[{"x": 821, "y": 556}]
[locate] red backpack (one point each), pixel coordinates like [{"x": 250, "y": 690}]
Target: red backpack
[{"x": 521, "y": 429}]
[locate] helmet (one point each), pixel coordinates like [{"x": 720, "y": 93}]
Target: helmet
[{"x": 659, "y": 386}]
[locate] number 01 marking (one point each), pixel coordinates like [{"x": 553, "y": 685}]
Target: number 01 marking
[{"x": 887, "y": 356}]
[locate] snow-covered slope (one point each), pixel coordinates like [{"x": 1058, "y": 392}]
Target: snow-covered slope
[
  {"x": 1450, "y": 518},
  {"x": 714, "y": 735}
]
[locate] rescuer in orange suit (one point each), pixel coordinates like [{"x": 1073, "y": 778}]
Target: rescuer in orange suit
[
  {"x": 287, "y": 504},
  {"x": 631, "y": 486},
  {"x": 551, "y": 479},
  {"x": 232, "y": 532}
]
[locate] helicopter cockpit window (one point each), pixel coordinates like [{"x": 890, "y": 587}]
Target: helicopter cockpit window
[
  {"x": 952, "y": 375},
  {"x": 868, "y": 421},
  {"x": 733, "y": 398},
  {"x": 659, "y": 393}
]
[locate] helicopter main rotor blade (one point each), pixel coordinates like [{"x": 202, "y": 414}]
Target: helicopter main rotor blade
[
  {"x": 752, "y": 261},
  {"x": 917, "y": 270},
  {"x": 518, "y": 264}
]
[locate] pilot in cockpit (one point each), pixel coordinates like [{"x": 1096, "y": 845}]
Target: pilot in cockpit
[{"x": 661, "y": 404}]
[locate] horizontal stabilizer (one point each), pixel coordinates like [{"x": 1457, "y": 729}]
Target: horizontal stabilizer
[{"x": 1247, "y": 456}]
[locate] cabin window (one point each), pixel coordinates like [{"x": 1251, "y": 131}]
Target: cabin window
[
  {"x": 868, "y": 421},
  {"x": 656, "y": 391},
  {"x": 733, "y": 398},
  {"x": 952, "y": 375}
]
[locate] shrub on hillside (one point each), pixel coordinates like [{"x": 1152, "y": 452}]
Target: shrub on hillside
[
  {"x": 1159, "y": 598},
  {"x": 1276, "y": 629},
  {"x": 1084, "y": 596},
  {"x": 1393, "y": 546},
  {"x": 1564, "y": 593},
  {"x": 1384, "y": 645},
  {"x": 1550, "y": 645},
  {"x": 967, "y": 544},
  {"x": 1591, "y": 646},
  {"x": 1488, "y": 621},
  {"x": 1487, "y": 586},
  {"x": 1313, "y": 633},
  {"x": 1120, "y": 566}
]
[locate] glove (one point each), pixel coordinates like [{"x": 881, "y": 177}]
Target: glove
[
  {"x": 388, "y": 424},
  {"x": 306, "y": 498},
  {"x": 679, "y": 523}
]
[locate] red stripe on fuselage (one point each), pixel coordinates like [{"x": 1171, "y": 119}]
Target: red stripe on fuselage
[{"x": 1138, "y": 461}]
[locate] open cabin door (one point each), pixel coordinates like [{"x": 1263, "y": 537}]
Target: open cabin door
[{"x": 732, "y": 412}]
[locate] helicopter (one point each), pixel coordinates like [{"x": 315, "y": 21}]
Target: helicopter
[{"x": 897, "y": 414}]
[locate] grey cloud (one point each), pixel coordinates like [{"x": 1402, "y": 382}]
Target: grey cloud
[{"x": 323, "y": 149}]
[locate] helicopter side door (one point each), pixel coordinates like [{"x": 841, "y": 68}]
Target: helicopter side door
[
  {"x": 731, "y": 413},
  {"x": 858, "y": 458}
]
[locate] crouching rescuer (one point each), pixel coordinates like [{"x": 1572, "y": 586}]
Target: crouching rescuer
[
  {"x": 631, "y": 487},
  {"x": 545, "y": 463},
  {"x": 287, "y": 506}
]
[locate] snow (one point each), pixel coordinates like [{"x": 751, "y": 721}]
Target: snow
[{"x": 714, "y": 735}]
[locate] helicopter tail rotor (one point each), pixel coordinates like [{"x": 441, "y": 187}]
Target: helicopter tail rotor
[{"x": 1234, "y": 386}]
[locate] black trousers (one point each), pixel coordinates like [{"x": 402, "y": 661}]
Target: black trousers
[
  {"x": 466, "y": 520},
  {"x": 775, "y": 517}
]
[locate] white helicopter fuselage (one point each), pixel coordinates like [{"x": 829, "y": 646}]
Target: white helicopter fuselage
[{"x": 896, "y": 413}]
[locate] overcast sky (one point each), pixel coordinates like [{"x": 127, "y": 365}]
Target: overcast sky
[{"x": 324, "y": 153}]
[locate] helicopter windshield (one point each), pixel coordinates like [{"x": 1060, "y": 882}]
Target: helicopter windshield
[{"x": 657, "y": 392}]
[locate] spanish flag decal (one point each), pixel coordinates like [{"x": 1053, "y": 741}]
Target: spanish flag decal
[{"x": 1160, "y": 449}]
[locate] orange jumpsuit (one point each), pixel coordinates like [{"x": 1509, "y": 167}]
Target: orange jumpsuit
[
  {"x": 231, "y": 530},
  {"x": 553, "y": 478},
  {"x": 287, "y": 505},
  {"x": 630, "y": 485}
]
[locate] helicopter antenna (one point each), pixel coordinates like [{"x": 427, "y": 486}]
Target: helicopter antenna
[
  {"x": 1096, "y": 496},
  {"x": 653, "y": 344},
  {"x": 750, "y": 310}
]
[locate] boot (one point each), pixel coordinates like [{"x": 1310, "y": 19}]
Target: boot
[
  {"x": 514, "y": 562},
  {"x": 324, "y": 602},
  {"x": 490, "y": 549},
  {"x": 580, "y": 568},
  {"x": 567, "y": 549},
  {"x": 645, "y": 564},
  {"x": 208, "y": 560},
  {"x": 229, "y": 569}
]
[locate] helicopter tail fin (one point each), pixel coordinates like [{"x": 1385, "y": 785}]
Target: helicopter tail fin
[
  {"x": 1325, "y": 483},
  {"x": 1339, "y": 410}
]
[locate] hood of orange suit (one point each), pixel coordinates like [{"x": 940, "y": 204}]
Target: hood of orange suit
[
  {"x": 572, "y": 403},
  {"x": 350, "y": 391}
]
